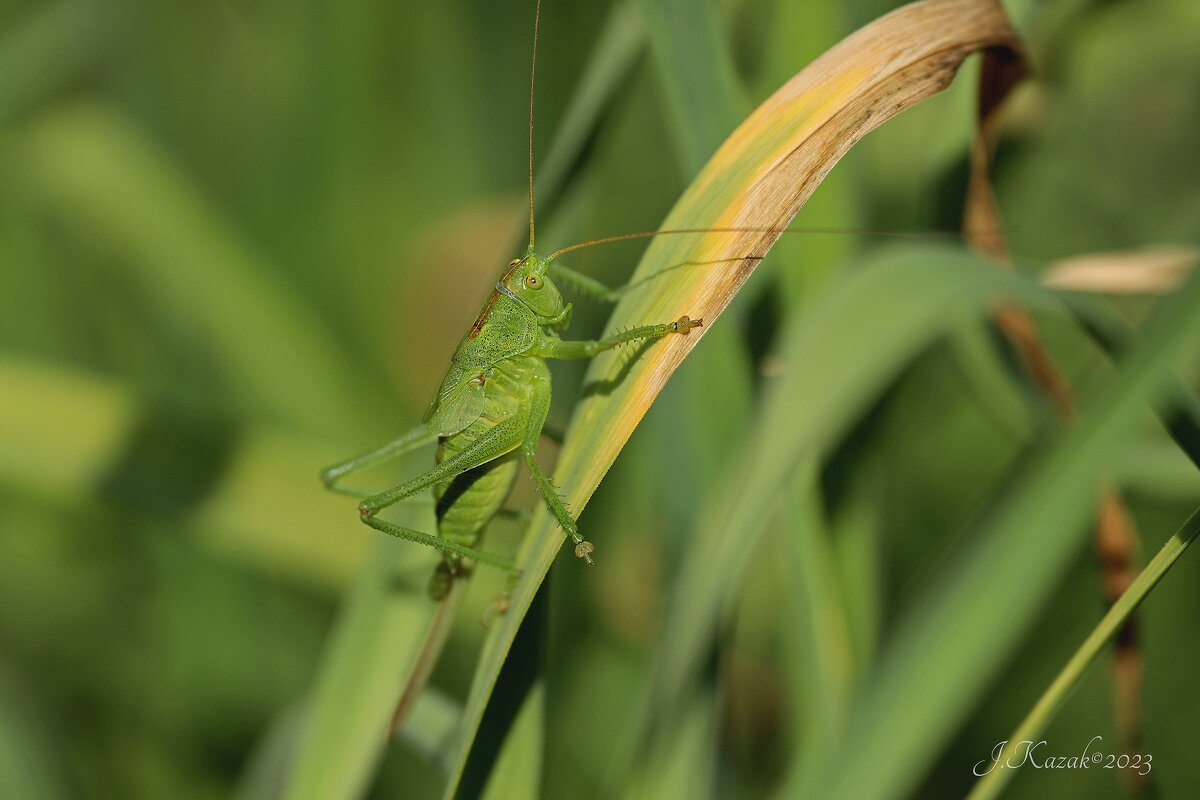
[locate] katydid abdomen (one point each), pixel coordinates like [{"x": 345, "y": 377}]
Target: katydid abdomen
[{"x": 467, "y": 503}]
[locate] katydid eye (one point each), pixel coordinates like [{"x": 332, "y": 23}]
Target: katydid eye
[{"x": 533, "y": 281}]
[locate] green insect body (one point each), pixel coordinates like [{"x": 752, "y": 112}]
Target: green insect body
[{"x": 488, "y": 416}]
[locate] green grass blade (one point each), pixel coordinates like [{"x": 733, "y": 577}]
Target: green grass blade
[
  {"x": 1056, "y": 694},
  {"x": 682, "y": 763},
  {"x": 265, "y": 775},
  {"x": 882, "y": 315},
  {"x": 827, "y": 665},
  {"x": 703, "y": 96},
  {"x": 431, "y": 723},
  {"x": 620, "y": 42},
  {"x": 376, "y": 641},
  {"x": 954, "y": 641},
  {"x": 518, "y": 770},
  {"x": 1181, "y": 414}
]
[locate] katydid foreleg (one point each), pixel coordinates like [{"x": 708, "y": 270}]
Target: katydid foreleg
[{"x": 587, "y": 348}]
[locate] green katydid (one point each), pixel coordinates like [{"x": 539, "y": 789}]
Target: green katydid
[{"x": 489, "y": 412}]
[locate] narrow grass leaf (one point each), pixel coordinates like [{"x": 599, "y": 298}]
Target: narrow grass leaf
[
  {"x": 881, "y": 315},
  {"x": 375, "y": 643},
  {"x": 264, "y": 776},
  {"x": 703, "y": 96},
  {"x": 682, "y": 764},
  {"x": 814, "y": 604},
  {"x": 1181, "y": 413},
  {"x": 953, "y": 642},
  {"x": 1056, "y": 694},
  {"x": 518, "y": 770},
  {"x": 621, "y": 41}
]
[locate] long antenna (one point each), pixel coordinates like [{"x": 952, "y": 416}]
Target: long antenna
[
  {"x": 680, "y": 231},
  {"x": 532, "y": 81}
]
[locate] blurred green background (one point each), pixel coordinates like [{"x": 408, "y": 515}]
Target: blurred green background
[{"x": 239, "y": 241}]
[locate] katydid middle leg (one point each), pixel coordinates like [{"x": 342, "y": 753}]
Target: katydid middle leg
[{"x": 539, "y": 406}]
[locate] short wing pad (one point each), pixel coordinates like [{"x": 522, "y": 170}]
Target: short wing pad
[{"x": 460, "y": 402}]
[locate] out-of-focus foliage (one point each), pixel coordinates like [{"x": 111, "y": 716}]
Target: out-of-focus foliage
[{"x": 240, "y": 240}]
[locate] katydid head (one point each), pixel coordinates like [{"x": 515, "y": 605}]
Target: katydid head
[{"x": 528, "y": 281}]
